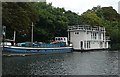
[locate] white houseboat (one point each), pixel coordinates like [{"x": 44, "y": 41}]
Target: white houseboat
[{"x": 86, "y": 37}]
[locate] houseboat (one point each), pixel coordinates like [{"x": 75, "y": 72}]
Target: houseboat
[{"x": 86, "y": 37}]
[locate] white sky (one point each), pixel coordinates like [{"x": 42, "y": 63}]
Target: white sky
[{"x": 80, "y": 6}]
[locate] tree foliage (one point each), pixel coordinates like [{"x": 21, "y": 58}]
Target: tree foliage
[
  {"x": 91, "y": 18},
  {"x": 53, "y": 21},
  {"x": 18, "y": 15}
]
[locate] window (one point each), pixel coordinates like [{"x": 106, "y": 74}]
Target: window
[
  {"x": 99, "y": 35},
  {"x": 91, "y": 35},
  {"x": 76, "y": 32},
  {"x": 103, "y": 36},
  {"x": 58, "y": 38},
  {"x": 95, "y": 36},
  {"x": 101, "y": 44},
  {"x": 89, "y": 44},
  {"x": 84, "y": 44}
]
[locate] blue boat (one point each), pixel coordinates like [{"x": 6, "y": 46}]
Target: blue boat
[
  {"x": 27, "y": 47},
  {"x": 34, "y": 49}
]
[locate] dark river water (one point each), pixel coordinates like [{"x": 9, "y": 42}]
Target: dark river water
[{"x": 75, "y": 63}]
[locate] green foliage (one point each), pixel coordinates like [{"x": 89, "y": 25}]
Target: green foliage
[
  {"x": 53, "y": 21},
  {"x": 91, "y": 18},
  {"x": 73, "y": 18},
  {"x": 17, "y": 15},
  {"x": 50, "y": 19},
  {"x": 110, "y": 14}
]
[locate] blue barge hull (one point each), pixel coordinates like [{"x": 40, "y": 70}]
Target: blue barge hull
[{"x": 42, "y": 50}]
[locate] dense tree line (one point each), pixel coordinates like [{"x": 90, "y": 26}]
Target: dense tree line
[{"x": 50, "y": 21}]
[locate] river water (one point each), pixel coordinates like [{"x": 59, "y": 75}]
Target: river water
[{"x": 75, "y": 63}]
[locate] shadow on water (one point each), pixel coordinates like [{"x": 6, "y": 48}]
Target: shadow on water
[{"x": 75, "y": 63}]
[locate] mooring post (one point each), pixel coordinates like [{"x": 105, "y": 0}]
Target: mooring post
[{"x": 32, "y": 34}]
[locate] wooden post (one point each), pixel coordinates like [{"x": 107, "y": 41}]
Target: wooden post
[
  {"x": 4, "y": 28},
  {"x": 32, "y": 34},
  {"x": 14, "y": 37}
]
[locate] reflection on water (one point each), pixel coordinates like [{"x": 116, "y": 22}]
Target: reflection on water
[{"x": 75, "y": 63}]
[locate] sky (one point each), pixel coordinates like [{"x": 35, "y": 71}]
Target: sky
[{"x": 80, "y": 6}]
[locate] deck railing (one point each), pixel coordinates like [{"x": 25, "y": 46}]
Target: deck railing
[{"x": 86, "y": 27}]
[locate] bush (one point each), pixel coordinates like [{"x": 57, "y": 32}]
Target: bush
[{"x": 115, "y": 46}]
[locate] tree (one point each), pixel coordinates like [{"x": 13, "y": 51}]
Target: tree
[
  {"x": 18, "y": 16},
  {"x": 90, "y": 17},
  {"x": 73, "y": 18},
  {"x": 52, "y": 21}
]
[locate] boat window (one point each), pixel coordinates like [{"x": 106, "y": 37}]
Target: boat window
[
  {"x": 58, "y": 38},
  {"x": 91, "y": 35},
  {"x": 103, "y": 36},
  {"x": 89, "y": 44},
  {"x": 95, "y": 35},
  {"x": 76, "y": 32},
  {"x": 99, "y": 35},
  {"x": 84, "y": 44}
]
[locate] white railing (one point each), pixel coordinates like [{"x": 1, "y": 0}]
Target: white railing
[{"x": 86, "y": 27}]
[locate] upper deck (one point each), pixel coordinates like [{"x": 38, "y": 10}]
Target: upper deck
[{"x": 86, "y": 28}]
